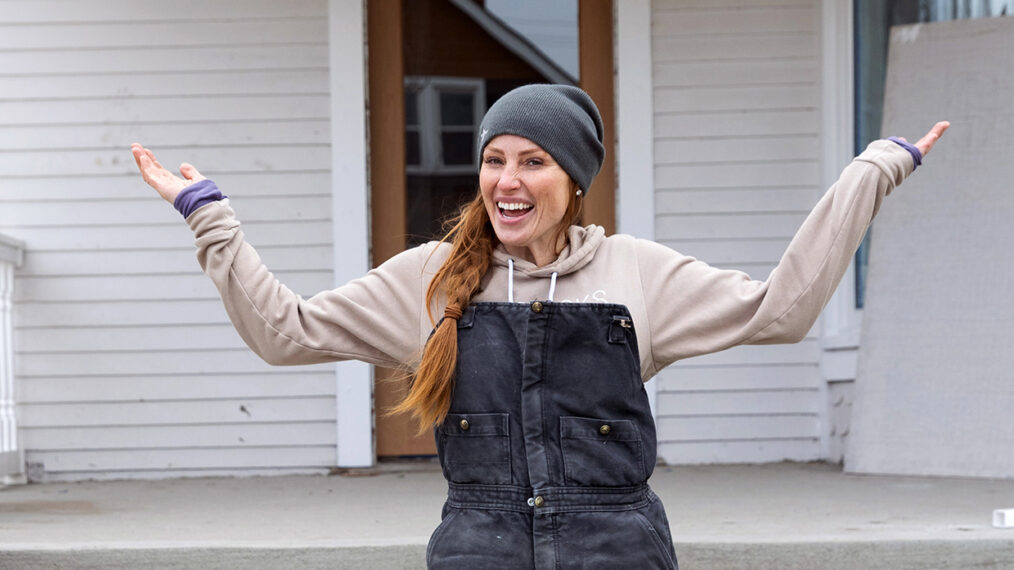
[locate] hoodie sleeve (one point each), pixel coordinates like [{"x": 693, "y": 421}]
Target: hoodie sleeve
[
  {"x": 375, "y": 318},
  {"x": 696, "y": 309}
]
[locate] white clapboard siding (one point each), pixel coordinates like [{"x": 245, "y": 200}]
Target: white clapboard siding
[
  {"x": 736, "y": 152},
  {"x": 126, "y": 361}
]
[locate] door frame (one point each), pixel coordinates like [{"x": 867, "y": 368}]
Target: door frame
[{"x": 385, "y": 70}]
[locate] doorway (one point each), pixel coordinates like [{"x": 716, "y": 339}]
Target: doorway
[{"x": 435, "y": 66}]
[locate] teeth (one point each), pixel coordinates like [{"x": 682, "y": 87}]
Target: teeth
[{"x": 518, "y": 206}]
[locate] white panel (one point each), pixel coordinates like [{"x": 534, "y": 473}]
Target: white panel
[
  {"x": 732, "y": 428},
  {"x": 275, "y": 382},
  {"x": 147, "y": 287},
  {"x": 686, "y": 376},
  {"x": 746, "y": 17},
  {"x": 735, "y": 47},
  {"x": 116, "y": 323},
  {"x": 736, "y": 88},
  {"x": 730, "y": 201},
  {"x": 152, "y": 33},
  {"x": 734, "y": 124},
  {"x": 197, "y": 436},
  {"x": 170, "y": 413},
  {"x": 753, "y": 451},
  {"x": 745, "y": 150},
  {"x": 739, "y": 175},
  {"x": 75, "y": 12},
  {"x": 729, "y": 226},
  {"x": 934, "y": 390},
  {"x": 68, "y": 263},
  {"x": 188, "y": 458},
  {"x": 167, "y": 235},
  {"x": 179, "y": 137},
  {"x": 138, "y": 363},
  {"x": 769, "y": 401}
]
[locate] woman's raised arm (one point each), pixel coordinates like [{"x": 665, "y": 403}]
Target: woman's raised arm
[{"x": 377, "y": 318}]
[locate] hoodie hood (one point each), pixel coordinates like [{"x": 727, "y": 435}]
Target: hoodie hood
[{"x": 582, "y": 243}]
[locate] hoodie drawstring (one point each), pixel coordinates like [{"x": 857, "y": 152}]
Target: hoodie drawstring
[{"x": 510, "y": 282}]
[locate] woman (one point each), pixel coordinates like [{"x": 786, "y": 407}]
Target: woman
[{"x": 533, "y": 377}]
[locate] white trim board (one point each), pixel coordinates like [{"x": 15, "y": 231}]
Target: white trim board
[{"x": 350, "y": 215}]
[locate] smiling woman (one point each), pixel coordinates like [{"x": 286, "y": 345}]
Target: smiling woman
[{"x": 542, "y": 424}]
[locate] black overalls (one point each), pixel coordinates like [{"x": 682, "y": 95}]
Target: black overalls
[{"x": 548, "y": 444}]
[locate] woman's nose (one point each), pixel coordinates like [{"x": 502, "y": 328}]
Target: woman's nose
[{"x": 509, "y": 179}]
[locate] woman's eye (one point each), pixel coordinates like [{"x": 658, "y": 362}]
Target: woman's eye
[
  {"x": 491, "y": 160},
  {"x": 534, "y": 161}
]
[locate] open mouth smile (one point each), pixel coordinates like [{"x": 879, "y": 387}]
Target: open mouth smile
[{"x": 514, "y": 209}]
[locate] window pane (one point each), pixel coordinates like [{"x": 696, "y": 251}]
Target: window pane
[
  {"x": 457, "y": 148},
  {"x": 411, "y": 107},
  {"x": 412, "y": 148},
  {"x": 457, "y": 109}
]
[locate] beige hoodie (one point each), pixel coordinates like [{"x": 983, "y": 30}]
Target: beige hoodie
[{"x": 681, "y": 307}]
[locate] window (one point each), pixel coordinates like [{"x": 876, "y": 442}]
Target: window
[
  {"x": 873, "y": 20},
  {"x": 442, "y": 116}
]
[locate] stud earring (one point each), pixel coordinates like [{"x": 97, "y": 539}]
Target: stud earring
[{"x": 579, "y": 192}]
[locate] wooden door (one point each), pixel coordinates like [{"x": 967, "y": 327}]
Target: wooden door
[{"x": 438, "y": 39}]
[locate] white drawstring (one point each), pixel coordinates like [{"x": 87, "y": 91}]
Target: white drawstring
[{"x": 510, "y": 280}]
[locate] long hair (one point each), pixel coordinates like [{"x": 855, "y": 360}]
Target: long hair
[{"x": 472, "y": 241}]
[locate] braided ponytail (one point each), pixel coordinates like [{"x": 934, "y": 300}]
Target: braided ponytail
[{"x": 471, "y": 237}]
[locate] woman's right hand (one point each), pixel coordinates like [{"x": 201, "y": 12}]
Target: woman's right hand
[{"x": 167, "y": 184}]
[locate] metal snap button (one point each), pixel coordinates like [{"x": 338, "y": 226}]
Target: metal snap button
[
  {"x": 605, "y": 429},
  {"x": 539, "y": 501},
  {"x": 537, "y": 306},
  {"x": 531, "y": 502},
  {"x": 464, "y": 424}
]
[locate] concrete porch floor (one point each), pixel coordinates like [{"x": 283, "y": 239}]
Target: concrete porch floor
[{"x": 743, "y": 516}]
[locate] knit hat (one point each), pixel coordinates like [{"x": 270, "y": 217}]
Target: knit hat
[{"x": 561, "y": 119}]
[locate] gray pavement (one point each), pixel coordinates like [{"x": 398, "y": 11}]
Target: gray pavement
[{"x": 749, "y": 516}]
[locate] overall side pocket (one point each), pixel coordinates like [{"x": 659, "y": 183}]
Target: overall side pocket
[
  {"x": 475, "y": 448},
  {"x": 601, "y": 452}
]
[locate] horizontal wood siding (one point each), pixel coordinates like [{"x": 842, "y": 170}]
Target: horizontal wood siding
[
  {"x": 737, "y": 127},
  {"x": 126, "y": 362}
]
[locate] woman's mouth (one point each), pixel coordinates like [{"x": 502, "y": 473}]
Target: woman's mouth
[{"x": 514, "y": 209}]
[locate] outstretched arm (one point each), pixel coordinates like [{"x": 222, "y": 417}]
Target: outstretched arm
[
  {"x": 697, "y": 309},
  {"x": 376, "y": 318}
]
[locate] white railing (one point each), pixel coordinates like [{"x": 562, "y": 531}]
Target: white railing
[{"x": 11, "y": 454}]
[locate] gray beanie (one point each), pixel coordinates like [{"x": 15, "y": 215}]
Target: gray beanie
[{"x": 561, "y": 119}]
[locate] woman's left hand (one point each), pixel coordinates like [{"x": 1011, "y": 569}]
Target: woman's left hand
[{"x": 925, "y": 144}]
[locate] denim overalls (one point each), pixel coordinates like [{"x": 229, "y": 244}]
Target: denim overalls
[{"x": 548, "y": 444}]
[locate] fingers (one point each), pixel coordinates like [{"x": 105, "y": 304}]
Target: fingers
[
  {"x": 925, "y": 144},
  {"x": 190, "y": 174}
]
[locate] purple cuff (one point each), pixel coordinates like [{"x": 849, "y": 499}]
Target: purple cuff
[
  {"x": 197, "y": 195},
  {"x": 912, "y": 149}
]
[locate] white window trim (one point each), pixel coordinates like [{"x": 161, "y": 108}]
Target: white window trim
[
  {"x": 842, "y": 321},
  {"x": 431, "y": 160}
]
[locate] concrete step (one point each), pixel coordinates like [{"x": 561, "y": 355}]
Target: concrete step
[
  {"x": 875, "y": 555},
  {"x": 731, "y": 516}
]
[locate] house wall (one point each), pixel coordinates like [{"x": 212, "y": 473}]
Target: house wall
[
  {"x": 737, "y": 138},
  {"x": 126, "y": 362}
]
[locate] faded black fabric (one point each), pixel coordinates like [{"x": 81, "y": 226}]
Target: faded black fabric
[{"x": 548, "y": 406}]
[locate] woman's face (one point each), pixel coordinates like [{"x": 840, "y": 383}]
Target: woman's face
[{"x": 526, "y": 194}]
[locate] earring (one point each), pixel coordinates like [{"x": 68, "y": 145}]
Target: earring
[{"x": 579, "y": 192}]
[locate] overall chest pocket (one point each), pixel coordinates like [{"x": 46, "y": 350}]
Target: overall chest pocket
[
  {"x": 601, "y": 452},
  {"x": 475, "y": 448}
]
